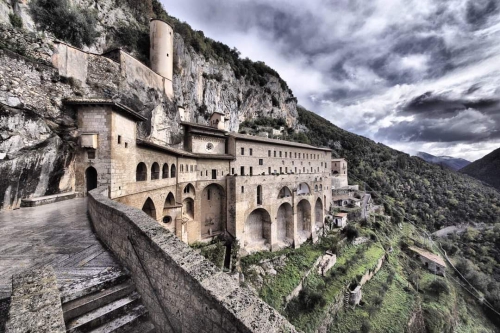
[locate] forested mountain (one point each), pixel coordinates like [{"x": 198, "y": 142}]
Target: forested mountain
[
  {"x": 446, "y": 161},
  {"x": 426, "y": 194},
  {"x": 486, "y": 169}
]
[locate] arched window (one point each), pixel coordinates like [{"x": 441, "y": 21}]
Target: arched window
[
  {"x": 172, "y": 171},
  {"x": 321, "y": 187},
  {"x": 284, "y": 193},
  {"x": 155, "y": 171},
  {"x": 141, "y": 172},
  {"x": 182, "y": 168},
  {"x": 315, "y": 188},
  {"x": 259, "y": 195},
  {"x": 164, "y": 171}
]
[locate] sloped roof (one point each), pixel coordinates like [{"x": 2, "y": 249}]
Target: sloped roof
[
  {"x": 100, "y": 101},
  {"x": 428, "y": 255},
  {"x": 275, "y": 141}
]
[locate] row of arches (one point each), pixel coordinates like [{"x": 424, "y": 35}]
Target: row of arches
[
  {"x": 141, "y": 172},
  {"x": 258, "y": 224},
  {"x": 212, "y": 204}
]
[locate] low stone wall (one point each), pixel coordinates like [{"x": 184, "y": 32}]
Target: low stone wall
[
  {"x": 35, "y": 303},
  {"x": 182, "y": 291}
]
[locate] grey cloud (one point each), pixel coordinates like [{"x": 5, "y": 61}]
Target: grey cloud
[{"x": 367, "y": 55}]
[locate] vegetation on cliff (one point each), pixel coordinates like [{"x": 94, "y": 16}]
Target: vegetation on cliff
[
  {"x": 486, "y": 169},
  {"x": 426, "y": 194}
]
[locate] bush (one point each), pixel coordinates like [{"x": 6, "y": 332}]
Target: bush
[
  {"x": 310, "y": 299},
  {"x": 351, "y": 232},
  {"x": 438, "y": 287},
  {"x": 72, "y": 24},
  {"x": 366, "y": 326},
  {"x": 16, "y": 21}
]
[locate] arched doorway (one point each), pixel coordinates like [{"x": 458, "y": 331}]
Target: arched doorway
[
  {"x": 318, "y": 212},
  {"x": 285, "y": 223},
  {"x": 189, "y": 190},
  {"x": 167, "y": 206},
  {"x": 149, "y": 208},
  {"x": 188, "y": 208},
  {"x": 212, "y": 207},
  {"x": 258, "y": 228},
  {"x": 304, "y": 219},
  {"x": 91, "y": 178}
]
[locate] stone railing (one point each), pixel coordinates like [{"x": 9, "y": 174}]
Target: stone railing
[{"x": 182, "y": 291}]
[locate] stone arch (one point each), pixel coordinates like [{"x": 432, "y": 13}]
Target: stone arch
[
  {"x": 149, "y": 208},
  {"x": 318, "y": 212},
  {"x": 303, "y": 189},
  {"x": 164, "y": 171},
  {"x": 285, "y": 222},
  {"x": 172, "y": 171},
  {"x": 258, "y": 228},
  {"x": 213, "y": 207},
  {"x": 169, "y": 201},
  {"x": 304, "y": 218},
  {"x": 335, "y": 172},
  {"x": 155, "y": 171},
  {"x": 188, "y": 208},
  {"x": 90, "y": 178},
  {"x": 189, "y": 190},
  {"x": 141, "y": 172},
  {"x": 284, "y": 192}
]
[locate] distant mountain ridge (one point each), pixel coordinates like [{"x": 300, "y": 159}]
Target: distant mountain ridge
[
  {"x": 486, "y": 169},
  {"x": 450, "y": 162}
]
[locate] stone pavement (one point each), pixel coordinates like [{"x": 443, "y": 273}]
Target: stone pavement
[{"x": 58, "y": 234}]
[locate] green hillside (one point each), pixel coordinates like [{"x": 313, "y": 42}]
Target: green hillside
[
  {"x": 428, "y": 195},
  {"x": 486, "y": 169}
]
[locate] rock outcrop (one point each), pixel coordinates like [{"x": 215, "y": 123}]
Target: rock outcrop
[{"x": 38, "y": 134}]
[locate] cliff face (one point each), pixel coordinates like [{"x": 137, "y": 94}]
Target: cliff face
[{"x": 38, "y": 134}]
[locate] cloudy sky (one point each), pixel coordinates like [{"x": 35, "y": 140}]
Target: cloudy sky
[{"x": 417, "y": 75}]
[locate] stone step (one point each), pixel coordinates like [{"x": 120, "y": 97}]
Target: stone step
[
  {"x": 135, "y": 320},
  {"x": 82, "y": 305},
  {"x": 104, "y": 314},
  {"x": 86, "y": 287},
  {"x": 144, "y": 327}
]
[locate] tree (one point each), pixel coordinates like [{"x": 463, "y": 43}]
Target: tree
[
  {"x": 438, "y": 287},
  {"x": 72, "y": 24}
]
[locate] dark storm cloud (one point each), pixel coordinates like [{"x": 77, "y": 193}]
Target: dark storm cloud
[{"x": 393, "y": 70}]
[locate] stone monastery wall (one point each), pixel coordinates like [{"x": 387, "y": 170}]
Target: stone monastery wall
[{"x": 183, "y": 291}]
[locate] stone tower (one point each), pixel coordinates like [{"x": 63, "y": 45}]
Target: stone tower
[{"x": 162, "y": 51}]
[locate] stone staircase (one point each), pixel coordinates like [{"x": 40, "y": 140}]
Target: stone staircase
[{"x": 105, "y": 303}]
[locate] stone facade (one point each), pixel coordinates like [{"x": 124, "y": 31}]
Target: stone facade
[
  {"x": 267, "y": 193},
  {"x": 195, "y": 295}
]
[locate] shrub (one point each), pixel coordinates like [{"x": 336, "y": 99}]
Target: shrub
[
  {"x": 351, "y": 232},
  {"x": 366, "y": 326},
  {"x": 438, "y": 287},
  {"x": 15, "y": 20},
  {"x": 74, "y": 25}
]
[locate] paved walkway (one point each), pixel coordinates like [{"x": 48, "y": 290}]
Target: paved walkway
[{"x": 58, "y": 234}]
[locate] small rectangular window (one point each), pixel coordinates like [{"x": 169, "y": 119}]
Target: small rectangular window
[
  {"x": 214, "y": 174},
  {"x": 269, "y": 153},
  {"x": 243, "y": 189},
  {"x": 126, "y": 144},
  {"x": 209, "y": 194},
  {"x": 295, "y": 169},
  {"x": 280, "y": 153},
  {"x": 251, "y": 171},
  {"x": 91, "y": 154},
  {"x": 232, "y": 171},
  {"x": 275, "y": 153},
  {"x": 286, "y": 169},
  {"x": 286, "y": 154},
  {"x": 281, "y": 169},
  {"x": 261, "y": 161},
  {"x": 269, "y": 170},
  {"x": 242, "y": 171},
  {"x": 251, "y": 151},
  {"x": 119, "y": 139},
  {"x": 242, "y": 151},
  {"x": 295, "y": 155}
]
